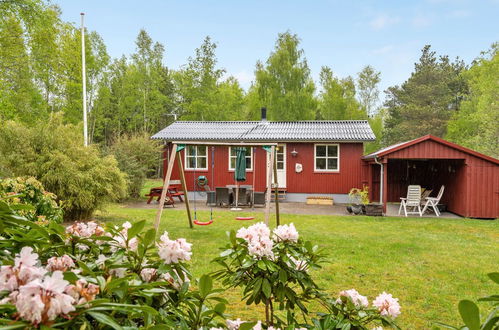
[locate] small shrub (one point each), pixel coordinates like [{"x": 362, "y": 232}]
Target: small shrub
[
  {"x": 54, "y": 154},
  {"x": 273, "y": 270},
  {"x": 137, "y": 156},
  {"x": 21, "y": 192},
  {"x": 359, "y": 196}
]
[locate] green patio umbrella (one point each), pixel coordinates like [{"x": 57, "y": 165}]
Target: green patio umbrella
[{"x": 240, "y": 170}]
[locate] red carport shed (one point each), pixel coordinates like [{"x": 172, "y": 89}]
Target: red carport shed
[{"x": 471, "y": 179}]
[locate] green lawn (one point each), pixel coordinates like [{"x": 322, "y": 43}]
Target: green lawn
[{"x": 429, "y": 264}]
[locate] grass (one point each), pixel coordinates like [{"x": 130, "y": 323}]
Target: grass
[{"x": 429, "y": 264}]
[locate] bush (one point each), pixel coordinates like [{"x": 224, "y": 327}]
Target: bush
[
  {"x": 137, "y": 156},
  {"x": 30, "y": 199},
  {"x": 54, "y": 154},
  {"x": 87, "y": 276}
]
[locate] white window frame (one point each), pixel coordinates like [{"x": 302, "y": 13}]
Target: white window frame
[
  {"x": 187, "y": 163},
  {"x": 326, "y": 157},
  {"x": 232, "y": 169}
]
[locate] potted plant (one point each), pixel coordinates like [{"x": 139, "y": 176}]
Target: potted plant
[{"x": 358, "y": 199}]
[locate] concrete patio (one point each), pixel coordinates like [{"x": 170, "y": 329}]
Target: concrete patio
[{"x": 290, "y": 208}]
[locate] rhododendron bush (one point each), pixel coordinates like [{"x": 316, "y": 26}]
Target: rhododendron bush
[
  {"x": 98, "y": 277},
  {"x": 273, "y": 267},
  {"x": 89, "y": 275}
]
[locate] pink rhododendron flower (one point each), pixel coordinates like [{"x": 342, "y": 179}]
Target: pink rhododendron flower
[
  {"x": 357, "y": 299},
  {"x": 258, "y": 238},
  {"x": 82, "y": 292},
  {"x": 23, "y": 271},
  {"x": 60, "y": 263},
  {"x": 286, "y": 233},
  {"x": 86, "y": 230},
  {"x": 173, "y": 251},
  {"x": 26, "y": 257},
  {"x": 147, "y": 274},
  {"x": 387, "y": 305},
  {"x": 41, "y": 301}
]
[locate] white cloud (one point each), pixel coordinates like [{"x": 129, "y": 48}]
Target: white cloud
[{"x": 382, "y": 21}]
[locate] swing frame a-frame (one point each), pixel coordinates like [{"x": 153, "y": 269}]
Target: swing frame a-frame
[{"x": 171, "y": 160}]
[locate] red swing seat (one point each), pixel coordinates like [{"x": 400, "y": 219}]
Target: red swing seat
[
  {"x": 201, "y": 223},
  {"x": 244, "y": 218}
]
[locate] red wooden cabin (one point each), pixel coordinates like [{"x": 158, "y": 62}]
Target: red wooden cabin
[{"x": 313, "y": 157}]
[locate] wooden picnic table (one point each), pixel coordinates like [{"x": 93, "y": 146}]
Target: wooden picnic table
[{"x": 173, "y": 191}]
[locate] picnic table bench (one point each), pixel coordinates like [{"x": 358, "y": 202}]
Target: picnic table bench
[{"x": 173, "y": 191}]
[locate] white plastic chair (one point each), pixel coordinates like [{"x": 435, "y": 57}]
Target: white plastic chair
[
  {"x": 413, "y": 200},
  {"x": 432, "y": 202}
]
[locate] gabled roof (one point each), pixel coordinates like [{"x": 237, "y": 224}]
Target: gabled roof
[
  {"x": 268, "y": 131},
  {"x": 399, "y": 146}
]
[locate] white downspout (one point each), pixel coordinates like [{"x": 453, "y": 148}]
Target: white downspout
[{"x": 381, "y": 179}]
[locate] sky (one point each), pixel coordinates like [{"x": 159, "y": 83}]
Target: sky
[{"x": 344, "y": 35}]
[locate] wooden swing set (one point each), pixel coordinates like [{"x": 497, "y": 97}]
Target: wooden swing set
[{"x": 271, "y": 165}]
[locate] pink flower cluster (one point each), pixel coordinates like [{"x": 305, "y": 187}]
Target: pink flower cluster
[
  {"x": 258, "y": 237},
  {"x": 385, "y": 303},
  {"x": 82, "y": 292},
  {"x": 60, "y": 263},
  {"x": 286, "y": 233},
  {"x": 173, "y": 251},
  {"x": 357, "y": 299},
  {"x": 38, "y": 297},
  {"x": 42, "y": 300},
  {"x": 259, "y": 241},
  {"x": 85, "y": 229}
]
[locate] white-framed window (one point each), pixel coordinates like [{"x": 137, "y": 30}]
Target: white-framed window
[
  {"x": 233, "y": 157},
  {"x": 196, "y": 157},
  {"x": 327, "y": 157}
]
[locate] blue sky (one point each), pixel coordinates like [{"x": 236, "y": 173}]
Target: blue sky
[{"x": 344, "y": 35}]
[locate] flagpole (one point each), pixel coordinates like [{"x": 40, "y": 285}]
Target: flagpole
[{"x": 84, "y": 82}]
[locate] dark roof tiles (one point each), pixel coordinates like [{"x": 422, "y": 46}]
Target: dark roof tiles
[{"x": 255, "y": 131}]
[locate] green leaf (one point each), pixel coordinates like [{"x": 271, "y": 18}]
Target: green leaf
[
  {"x": 470, "y": 314},
  {"x": 70, "y": 277},
  {"x": 105, "y": 319},
  {"x": 283, "y": 276},
  {"x": 247, "y": 326},
  {"x": 149, "y": 237},
  {"x": 232, "y": 237},
  {"x": 494, "y": 277},
  {"x": 219, "y": 308},
  {"x": 205, "y": 285},
  {"x": 136, "y": 228},
  {"x": 266, "y": 288}
]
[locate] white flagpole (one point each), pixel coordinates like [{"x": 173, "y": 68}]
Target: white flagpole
[{"x": 84, "y": 82}]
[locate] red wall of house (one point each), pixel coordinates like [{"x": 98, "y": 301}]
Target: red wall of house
[
  {"x": 311, "y": 182},
  {"x": 307, "y": 181}
]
